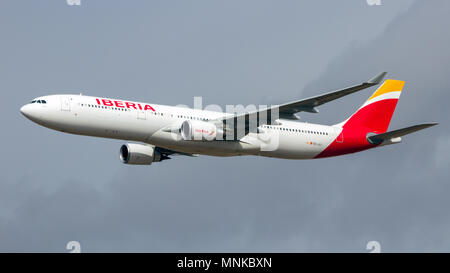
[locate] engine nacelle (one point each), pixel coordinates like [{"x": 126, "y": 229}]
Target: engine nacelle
[
  {"x": 139, "y": 154},
  {"x": 198, "y": 130}
]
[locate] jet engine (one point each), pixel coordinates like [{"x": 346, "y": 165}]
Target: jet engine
[
  {"x": 139, "y": 154},
  {"x": 198, "y": 130}
]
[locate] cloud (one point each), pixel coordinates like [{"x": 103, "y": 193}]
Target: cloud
[{"x": 395, "y": 195}]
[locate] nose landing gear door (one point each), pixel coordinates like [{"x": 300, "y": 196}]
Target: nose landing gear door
[{"x": 65, "y": 104}]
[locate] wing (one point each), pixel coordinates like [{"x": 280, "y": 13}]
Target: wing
[
  {"x": 392, "y": 135},
  {"x": 310, "y": 104},
  {"x": 241, "y": 124},
  {"x": 167, "y": 152}
]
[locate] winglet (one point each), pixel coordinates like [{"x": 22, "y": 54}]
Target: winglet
[{"x": 377, "y": 79}]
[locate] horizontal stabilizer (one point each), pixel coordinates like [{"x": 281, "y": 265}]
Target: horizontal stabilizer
[{"x": 377, "y": 139}]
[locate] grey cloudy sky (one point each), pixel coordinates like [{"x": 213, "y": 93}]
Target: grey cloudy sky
[{"x": 56, "y": 187}]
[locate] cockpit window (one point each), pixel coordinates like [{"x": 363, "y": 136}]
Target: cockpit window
[{"x": 39, "y": 101}]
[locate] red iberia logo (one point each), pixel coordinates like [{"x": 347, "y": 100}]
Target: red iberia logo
[{"x": 124, "y": 104}]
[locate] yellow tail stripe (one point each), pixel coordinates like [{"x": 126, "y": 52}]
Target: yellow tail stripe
[{"x": 388, "y": 86}]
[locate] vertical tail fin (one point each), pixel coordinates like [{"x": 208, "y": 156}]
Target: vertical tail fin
[{"x": 376, "y": 113}]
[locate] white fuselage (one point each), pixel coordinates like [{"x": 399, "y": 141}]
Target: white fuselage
[{"x": 158, "y": 125}]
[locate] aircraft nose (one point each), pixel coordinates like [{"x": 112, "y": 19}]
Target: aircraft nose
[
  {"x": 24, "y": 110},
  {"x": 30, "y": 112}
]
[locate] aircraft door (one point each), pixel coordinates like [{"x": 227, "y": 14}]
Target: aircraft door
[
  {"x": 339, "y": 135},
  {"x": 142, "y": 114},
  {"x": 65, "y": 103}
]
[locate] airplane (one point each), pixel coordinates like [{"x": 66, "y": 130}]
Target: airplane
[{"x": 157, "y": 132}]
